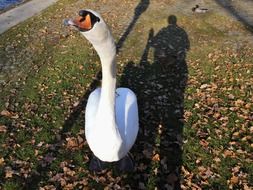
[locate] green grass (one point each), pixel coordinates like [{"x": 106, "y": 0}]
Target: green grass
[{"x": 46, "y": 88}]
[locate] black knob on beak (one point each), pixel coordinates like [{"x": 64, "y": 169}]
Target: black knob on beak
[{"x": 83, "y": 13}]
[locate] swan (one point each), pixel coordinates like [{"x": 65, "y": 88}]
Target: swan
[{"x": 111, "y": 115}]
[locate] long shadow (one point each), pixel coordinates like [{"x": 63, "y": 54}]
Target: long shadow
[
  {"x": 141, "y": 8},
  {"x": 78, "y": 112},
  {"x": 160, "y": 88},
  {"x": 227, "y": 5}
]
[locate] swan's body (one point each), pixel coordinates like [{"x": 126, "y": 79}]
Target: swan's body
[
  {"x": 111, "y": 117},
  {"x": 111, "y": 135}
]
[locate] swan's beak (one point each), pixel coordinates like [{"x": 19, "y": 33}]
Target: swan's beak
[
  {"x": 68, "y": 22},
  {"x": 82, "y": 23}
]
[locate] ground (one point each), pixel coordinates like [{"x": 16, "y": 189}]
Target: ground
[{"x": 192, "y": 77}]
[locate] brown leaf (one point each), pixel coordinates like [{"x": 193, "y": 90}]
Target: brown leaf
[
  {"x": 202, "y": 169},
  {"x": 36, "y": 152},
  {"x": 6, "y": 113},
  {"x": 236, "y": 134},
  {"x": 80, "y": 139},
  {"x": 72, "y": 143},
  {"x": 236, "y": 169},
  {"x": 228, "y": 153},
  {"x": 217, "y": 159},
  {"x": 251, "y": 129},
  {"x": 1, "y": 161},
  {"x": 198, "y": 161},
  {"x": 239, "y": 103},
  {"x": 203, "y": 86},
  {"x": 8, "y": 172},
  {"x": 156, "y": 158},
  {"x": 57, "y": 177},
  {"x": 234, "y": 180},
  {"x": 248, "y": 106},
  {"x": 68, "y": 171},
  {"x": 246, "y": 187},
  {"x": 204, "y": 143},
  {"x": 3, "y": 128}
]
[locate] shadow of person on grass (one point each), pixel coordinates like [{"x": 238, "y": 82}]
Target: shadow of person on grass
[{"x": 160, "y": 88}]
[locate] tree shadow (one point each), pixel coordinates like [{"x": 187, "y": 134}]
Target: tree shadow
[
  {"x": 141, "y": 8},
  {"x": 227, "y": 5},
  {"x": 160, "y": 88}
]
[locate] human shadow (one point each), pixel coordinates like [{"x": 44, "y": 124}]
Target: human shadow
[
  {"x": 160, "y": 88},
  {"x": 227, "y": 5}
]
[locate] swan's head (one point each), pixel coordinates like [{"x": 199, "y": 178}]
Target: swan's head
[{"x": 90, "y": 24}]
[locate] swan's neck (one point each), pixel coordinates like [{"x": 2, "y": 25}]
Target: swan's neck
[
  {"x": 107, "y": 53},
  {"x": 107, "y": 99}
]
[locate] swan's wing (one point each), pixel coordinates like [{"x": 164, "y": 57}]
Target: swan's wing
[
  {"x": 127, "y": 115},
  {"x": 91, "y": 108}
]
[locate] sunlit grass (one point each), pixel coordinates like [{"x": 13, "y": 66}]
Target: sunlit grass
[{"x": 59, "y": 74}]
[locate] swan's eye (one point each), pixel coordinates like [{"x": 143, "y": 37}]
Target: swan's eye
[{"x": 85, "y": 13}]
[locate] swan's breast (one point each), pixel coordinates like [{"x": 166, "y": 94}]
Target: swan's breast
[{"x": 127, "y": 118}]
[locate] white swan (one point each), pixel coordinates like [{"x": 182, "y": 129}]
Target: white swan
[{"x": 111, "y": 117}]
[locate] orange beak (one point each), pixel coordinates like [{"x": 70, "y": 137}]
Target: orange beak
[{"x": 83, "y": 23}]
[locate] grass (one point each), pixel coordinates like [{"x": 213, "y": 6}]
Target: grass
[{"x": 56, "y": 70}]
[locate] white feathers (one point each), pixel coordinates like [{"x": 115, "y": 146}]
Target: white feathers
[{"x": 111, "y": 121}]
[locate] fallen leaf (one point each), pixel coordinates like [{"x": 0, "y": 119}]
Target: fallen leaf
[
  {"x": 203, "y": 86},
  {"x": 202, "y": 169},
  {"x": 8, "y": 172},
  {"x": 156, "y": 158},
  {"x": 198, "y": 161},
  {"x": 217, "y": 159},
  {"x": 239, "y": 103},
  {"x": 234, "y": 179},
  {"x": 1, "y": 161},
  {"x": 228, "y": 153},
  {"x": 3, "y": 128},
  {"x": 246, "y": 187},
  {"x": 72, "y": 143},
  {"x": 68, "y": 171},
  {"x": 204, "y": 143},
  {"x": 5, "y": 113}
]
